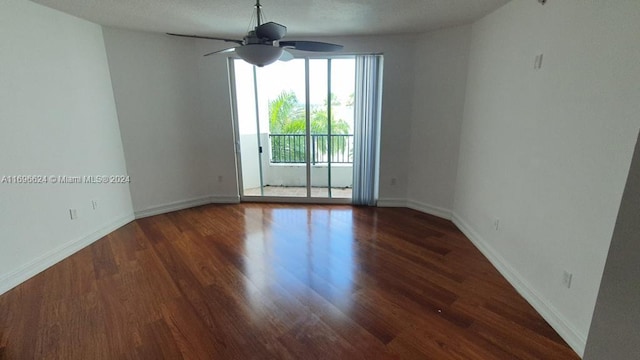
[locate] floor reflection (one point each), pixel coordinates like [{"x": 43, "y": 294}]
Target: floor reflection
[{"x": 293, "y": 249}]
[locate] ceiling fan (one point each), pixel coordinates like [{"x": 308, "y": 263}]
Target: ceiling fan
[{"x": 263, "y": 45}]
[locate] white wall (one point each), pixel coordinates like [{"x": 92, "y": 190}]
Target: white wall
[
  {"x": 615, "y": 328},
  {"x": 175, "y": 115},
  {"x": 437, "y": 112},
  {"x": 547, "y": 152},
  {"x": 174, "y": 110},
  {"x": 58, "y": 117}
]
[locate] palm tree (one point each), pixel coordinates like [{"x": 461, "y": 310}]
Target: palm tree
[
  {"x": 334, "y": 100},
  {"x": 284, "y": 109},
  {"x": 286, "y": 116}
]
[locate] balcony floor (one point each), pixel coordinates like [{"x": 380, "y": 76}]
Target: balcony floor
[{"x": 294, "y": 191}]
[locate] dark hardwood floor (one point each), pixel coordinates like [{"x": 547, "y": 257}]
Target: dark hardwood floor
[{"x": 256, "y": 281}]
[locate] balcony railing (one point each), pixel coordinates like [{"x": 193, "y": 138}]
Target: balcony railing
[{"x": 290, "y": 149}]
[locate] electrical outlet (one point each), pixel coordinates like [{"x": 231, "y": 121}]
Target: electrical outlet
[
  {"x": 73, "y": 213},
  {"x": 566, "y": 279},
  {"x": 94, "y": 204},
  {"x": 394, "y": 181},
  {"x": 220, "y": 178},
  {"x": 496, "y": 224}
]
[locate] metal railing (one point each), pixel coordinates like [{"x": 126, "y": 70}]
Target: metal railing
[{"x": 290, "y": 149}]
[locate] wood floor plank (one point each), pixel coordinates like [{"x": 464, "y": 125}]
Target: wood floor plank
[
  {"x": 190, "y": 334},
  {"x": 73, "y": 329},
  {"x": 18, "y": 319},
  {"x": 157, "y": 342},
  {"x": 312, "y": 339},
  {"x": 276, "y": 281}
]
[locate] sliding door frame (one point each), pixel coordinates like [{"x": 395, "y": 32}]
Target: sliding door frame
[{"x": 237, "y": 151}]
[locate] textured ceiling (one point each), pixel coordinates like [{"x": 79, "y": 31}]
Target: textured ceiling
[{"x": 230, "y": 18}]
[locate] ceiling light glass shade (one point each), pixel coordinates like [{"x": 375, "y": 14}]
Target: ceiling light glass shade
[{"x": 259, "y": 54}]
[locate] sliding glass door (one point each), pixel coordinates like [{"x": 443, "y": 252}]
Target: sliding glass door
[
  {"x": 294, "y": 128},
  {"x": 332, "y": 93}
]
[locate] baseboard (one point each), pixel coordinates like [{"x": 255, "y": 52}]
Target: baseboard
[
  {"x": 565, "y": 329},
  {"x": 185, "y": 204},
  {"x": 50, "y": 258},
  {"x": 298, "y": 200},
  {"x": 225, "y": 199},
  {"x": 392, "y": 202},
  {"x": 429, "y": 209}
]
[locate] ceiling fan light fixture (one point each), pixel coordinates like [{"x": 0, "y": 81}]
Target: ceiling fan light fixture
[{"x": 259, "y": 54}]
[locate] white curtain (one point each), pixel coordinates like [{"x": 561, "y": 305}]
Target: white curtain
[{"x": 367, "y": 104}]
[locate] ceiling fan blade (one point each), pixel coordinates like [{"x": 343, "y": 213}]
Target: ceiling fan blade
[
  {"x": 286, "y": 56},
  {"x": 310, "y": 45},
  {"x": 207, "y": 37},
  {"x": 229, "y": 50},
  {"x": 271, "y": 31}
]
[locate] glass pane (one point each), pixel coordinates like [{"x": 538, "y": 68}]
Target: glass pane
[
  {"x": 343, "y": 76},
  {"x": 281, "y": 98},
  {"x": 318, "y": 75},
  {"x": 247, "y": 129},
  {"x": 332, "y": 137}
]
